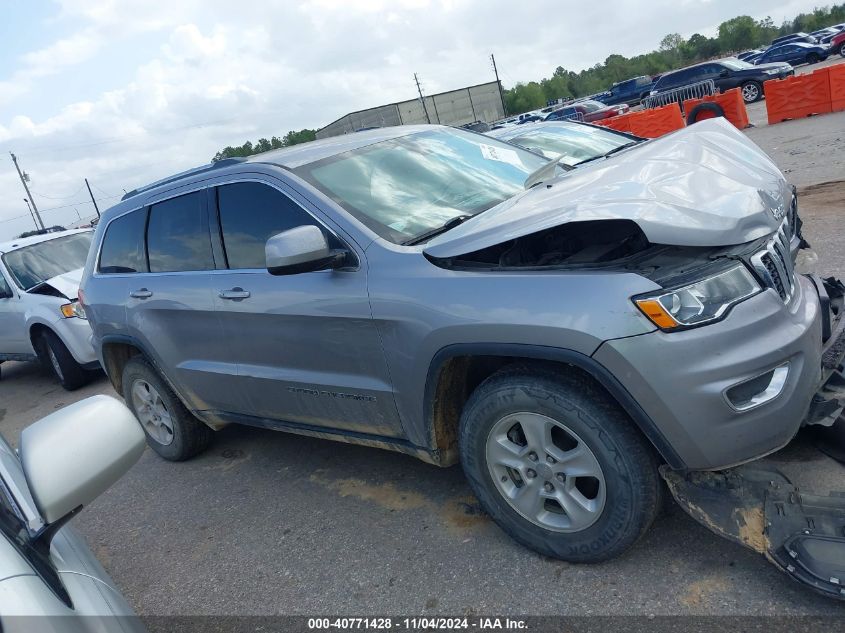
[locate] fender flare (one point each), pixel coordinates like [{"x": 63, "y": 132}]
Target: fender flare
[{"x": 560, "y": 355}]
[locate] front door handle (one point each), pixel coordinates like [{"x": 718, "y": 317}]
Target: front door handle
[
  {"x": 234, "y": 293},
  {"x": 142, "y": 293}
]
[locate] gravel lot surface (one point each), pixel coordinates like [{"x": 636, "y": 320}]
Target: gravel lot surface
[{"x": 268, "y": 523}]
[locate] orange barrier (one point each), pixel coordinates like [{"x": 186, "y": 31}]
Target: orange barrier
[
  {"x": 836, "y": 77},
  {"x": 731, "y": 103},
  {"x": 657, "y": 121},
  {"x": 798, "y": 96},
  {"x": 620, "y": 123}
]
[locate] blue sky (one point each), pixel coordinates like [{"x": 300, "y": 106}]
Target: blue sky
[{"x": 128, "y": 91}]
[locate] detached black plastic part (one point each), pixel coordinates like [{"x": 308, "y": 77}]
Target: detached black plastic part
[{"x": 801, "y": 534}]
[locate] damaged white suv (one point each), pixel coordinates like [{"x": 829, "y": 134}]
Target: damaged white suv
[{"x": 40, "y": 317}]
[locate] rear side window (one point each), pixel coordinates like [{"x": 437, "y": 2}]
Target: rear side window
[
  {"x": 123, "y": 245},
  {"x": 177, "y": 235},
  {"x": 251, "y": 213}
]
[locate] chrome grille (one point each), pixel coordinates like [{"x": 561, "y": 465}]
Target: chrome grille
[{"x": 774, "y": 263}]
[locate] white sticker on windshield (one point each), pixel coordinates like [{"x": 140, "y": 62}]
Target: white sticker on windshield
[{"x": 501, "y": 154}]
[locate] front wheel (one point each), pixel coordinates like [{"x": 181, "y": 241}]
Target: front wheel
[
  {"x": 752, "y": 91},
  {"x": 812, "y": 58},
  {"x": 558, "y": 465},
  {"x": 57, "y": 357}
]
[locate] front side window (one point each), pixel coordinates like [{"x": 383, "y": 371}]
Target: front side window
[
  {"x": 177, "y": 235},
  {"x": 123, "y": 245},
  {"x": 32, "y": 265},
  {"x": 404, "y": 187},
  {"x": 251, "y": 213}
]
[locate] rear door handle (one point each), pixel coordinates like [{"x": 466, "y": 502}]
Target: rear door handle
[
  {"x": 142, "y": 293},
  {"x": 234, "y": 293}
]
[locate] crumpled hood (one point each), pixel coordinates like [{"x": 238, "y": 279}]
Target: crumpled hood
[
  {"x": 704, "y": 185},
  {"x": 67, "y": 283}
]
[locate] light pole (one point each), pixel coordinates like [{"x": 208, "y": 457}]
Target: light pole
[{"x": 31, "y": 213}]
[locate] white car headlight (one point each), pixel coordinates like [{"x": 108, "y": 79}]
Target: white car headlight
[
  {"x": 73, "y": 310},
  {"x": 701, "y": 302}
]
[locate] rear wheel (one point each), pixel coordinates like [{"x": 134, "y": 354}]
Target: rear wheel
[
  {"x": 752, "y": 91},
  {"x": 813, "y": 58},
  {"x": 558, "y": 465},
  {"x": 56, "y": 356},
  {"x": 171, "y": 430}
]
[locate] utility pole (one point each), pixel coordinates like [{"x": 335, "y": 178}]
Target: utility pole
[
  {"x": 31, "y": 213},
  {"x": 422, "y": 99},
  {"x": 498, "y": 81},
  {"x": 29, "y": 195},
  {"x": 96, "y": 208}
]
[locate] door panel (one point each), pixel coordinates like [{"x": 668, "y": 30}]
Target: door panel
[
  {"x": 171, "y": 309},
  {"x": 14, "y": 338},
  {"x": 306, "y": 345}
]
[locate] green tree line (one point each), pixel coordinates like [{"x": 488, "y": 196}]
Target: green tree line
[
  {"x": 734, "y": 35},
  {"x": 264, "y": 145}
]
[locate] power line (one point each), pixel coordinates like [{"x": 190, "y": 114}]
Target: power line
[{"x": 44, "y": 195}]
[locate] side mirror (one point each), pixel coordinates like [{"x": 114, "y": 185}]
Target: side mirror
[
  {"x": 72, "y": 456},
  {"x": 302, "y": 249}
]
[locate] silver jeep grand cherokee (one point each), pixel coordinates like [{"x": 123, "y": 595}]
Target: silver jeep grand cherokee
[{"x": 443, "y": 294}]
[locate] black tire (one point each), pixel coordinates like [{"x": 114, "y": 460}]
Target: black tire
[
  {"x": 633, "y": 489},
  {"x": 707, "y": 106},
  {"x": 813, "y": 58},
  {"x": 189, "y": 435},
  {"x": 751, "y": 86},
  {"x": 58, "y": 360}
]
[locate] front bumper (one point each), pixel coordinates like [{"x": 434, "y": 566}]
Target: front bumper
[
  {"x": 76, "y": 335},
  {"x": 680, "y": 378}
]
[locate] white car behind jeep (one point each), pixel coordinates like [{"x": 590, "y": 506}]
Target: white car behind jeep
[{"x": 40, "y": 316}]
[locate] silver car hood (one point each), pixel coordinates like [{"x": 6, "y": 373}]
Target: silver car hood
[
  {"x": 67, "y": 283},
  {"x": 704, "y": 185}
]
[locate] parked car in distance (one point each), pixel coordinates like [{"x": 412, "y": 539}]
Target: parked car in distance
[
  {"x": 444, "y": 294},
  {"x": 569, "y": 142},
  {"x": 794, "y": 37},
  {"x": 40, "y": 317},
  {"x": 746, "y": 55},
  {"x": 630, "y": 91},
  {"x": 726, "y": 74},
  {"x": 837, "y": 44},
  {"x": 49, "y": 579},
  {"x": 794, "y": 54},
  {"x": 586, "y": 110}
]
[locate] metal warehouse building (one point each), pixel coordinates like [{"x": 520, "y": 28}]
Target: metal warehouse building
[{"x": 456, "y": 107}]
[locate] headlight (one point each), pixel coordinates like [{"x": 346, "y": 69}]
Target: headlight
[
  {"x": 773, "y": 71},
  {"x": 73, "y": 309},
  {"x": 698, "y": 303}
]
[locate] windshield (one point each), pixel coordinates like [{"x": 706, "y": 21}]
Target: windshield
[
  {"x": 576, "y": 143},
  {"x": 31, "y": 265},
  {"x": 408, "y": 186},
  {"x": 736, "y": 64}
]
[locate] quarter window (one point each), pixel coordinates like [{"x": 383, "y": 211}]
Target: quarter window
[
  {"x": 177, "y": 235},
  {"x": 123, "y": 245},
  {"x": 251, "y": 213}
]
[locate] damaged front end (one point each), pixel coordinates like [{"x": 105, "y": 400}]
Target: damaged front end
[{"x": 802, "y": 534}]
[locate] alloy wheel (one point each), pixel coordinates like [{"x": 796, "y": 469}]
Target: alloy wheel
[
  {"x": 750, "y": 93},
  {"x": 545, "y": 472},
  {"x": 152, "y": 412}
]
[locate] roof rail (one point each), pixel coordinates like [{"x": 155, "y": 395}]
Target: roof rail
[{"x": 226, "y": 162}]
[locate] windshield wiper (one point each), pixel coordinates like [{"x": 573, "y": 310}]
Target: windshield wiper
[
  {"x": 613, "y": 151},
  {"x": 545, "y": 172},
  {"x": 451, "y": 223}
]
